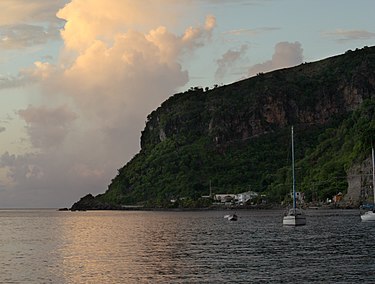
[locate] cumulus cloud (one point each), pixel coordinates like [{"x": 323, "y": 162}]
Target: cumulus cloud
[
  {"x": 120, "y": 61},
  {"x": 228, "y": 60},
  {"x": 350, "y": 35},
  {"x": 47, "y": 127},
  {"x": 107, "y": 77},
  {"x": 86, "y": 20},
  {"x": 286, "y": 55}
]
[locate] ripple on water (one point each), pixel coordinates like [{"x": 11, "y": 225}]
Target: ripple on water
[{"x": 184, "y": 247}]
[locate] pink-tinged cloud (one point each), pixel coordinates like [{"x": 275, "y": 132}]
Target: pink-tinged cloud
[
  {"x": 228, "y": 60},
  {"x": 87, "y": 20},
  {"x": 47, "y": 127},
  {"x": 117, "y": 65},
  {"x": 286, "y": 55}
]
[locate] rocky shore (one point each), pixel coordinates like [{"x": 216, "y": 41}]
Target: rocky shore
[{"x": 89, "y": 202}]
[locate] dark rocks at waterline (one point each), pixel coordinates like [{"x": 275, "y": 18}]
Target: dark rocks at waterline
[{"x": 89, "y": 202}]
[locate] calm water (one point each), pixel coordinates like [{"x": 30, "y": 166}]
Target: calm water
[{"x": 47, "y": 246}]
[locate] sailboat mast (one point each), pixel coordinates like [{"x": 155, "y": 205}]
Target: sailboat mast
[
  {"x": 294, "y": 181},
  {"x": 373, "y": 173}
]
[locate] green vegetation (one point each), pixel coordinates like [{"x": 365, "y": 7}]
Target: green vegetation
[
  {"x": 237, "y": 137},
  {"x": 322, "y": 171}
]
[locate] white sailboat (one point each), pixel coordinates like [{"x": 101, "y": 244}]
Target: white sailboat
[
  {"x": 295, "y": 216},
  {"x": 369, "y": 216}
]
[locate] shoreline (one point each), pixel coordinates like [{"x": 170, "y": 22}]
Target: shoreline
[{"x": 213, "y": 208}]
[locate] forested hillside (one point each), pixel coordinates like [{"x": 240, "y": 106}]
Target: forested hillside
[{"x": 237, "y": 137}]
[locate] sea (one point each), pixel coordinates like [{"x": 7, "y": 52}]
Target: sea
[{"x": 50, "y": 246}]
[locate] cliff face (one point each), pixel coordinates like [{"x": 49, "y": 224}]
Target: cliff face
[
  {"x": 307, "y": 94},
  {"x": 359, "y": 183},
  {"x": 236, "y": 137}
]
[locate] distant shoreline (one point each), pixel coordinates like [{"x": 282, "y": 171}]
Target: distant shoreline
[{"x": 214, "y": 208}]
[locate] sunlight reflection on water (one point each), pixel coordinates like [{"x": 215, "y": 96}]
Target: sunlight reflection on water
[{"x": 46, "y": 246}]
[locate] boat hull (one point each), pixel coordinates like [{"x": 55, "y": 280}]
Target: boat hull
[
  {"x": 295, "y": 217},
  {"x": 369, "y": 216},
  {"x": 294, "y": 220}
]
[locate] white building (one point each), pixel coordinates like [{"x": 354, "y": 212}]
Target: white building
[
  {"x": 227, "y": 197},
  {"x": 241, "y": 198},
  {"x": 246, "y": 196}
]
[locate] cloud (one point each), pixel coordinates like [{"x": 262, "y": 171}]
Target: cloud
[
  {"x": 26, "y": 76},
  {"x": 350, "y": 35},
  {"x": 86, "y": 20},
  {"x": 21, "y": 11},
  {"x": 117, "y": 65},
  {"x": 231, "y": 2},
  {"x": 47, "y": 179},
  {"x": 24, "y": 23},
  {"x": 107, "y": 77},
  {"x": 25, "y": 35},
  {"x": 6, "y": 119},
  {"x": 14, "y": 81},
  {"x": 286, "y": 55},
  {"x": 250, "y": 32},
  {"x": 47, "y": 127},
  {"x": 2, "y": 129},
  {"x": 228, "y": 60}
]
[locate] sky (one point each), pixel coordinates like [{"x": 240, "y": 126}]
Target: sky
[{"x": 79, "y": 77}]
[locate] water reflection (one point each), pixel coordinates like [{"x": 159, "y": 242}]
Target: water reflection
[
  {"x": 97, "y": 246},
  {"x": 183, "y": 247},
  {"x": 28, "y": 242}
]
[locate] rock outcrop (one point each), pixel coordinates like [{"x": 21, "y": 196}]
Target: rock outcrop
[
  {"x": 89, "y": 202},
  {"x": 359, "y": 183}
]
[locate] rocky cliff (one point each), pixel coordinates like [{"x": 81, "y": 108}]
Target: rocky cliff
[
  {"x": 311, "y": 93},
  {"x": 359, "y": 183}
]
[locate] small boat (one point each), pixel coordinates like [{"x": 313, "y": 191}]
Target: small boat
[
  {"x": 232, "y": 217},
  {"x": 295, "y": 216},
  {"x": 369, "y": 216}
]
